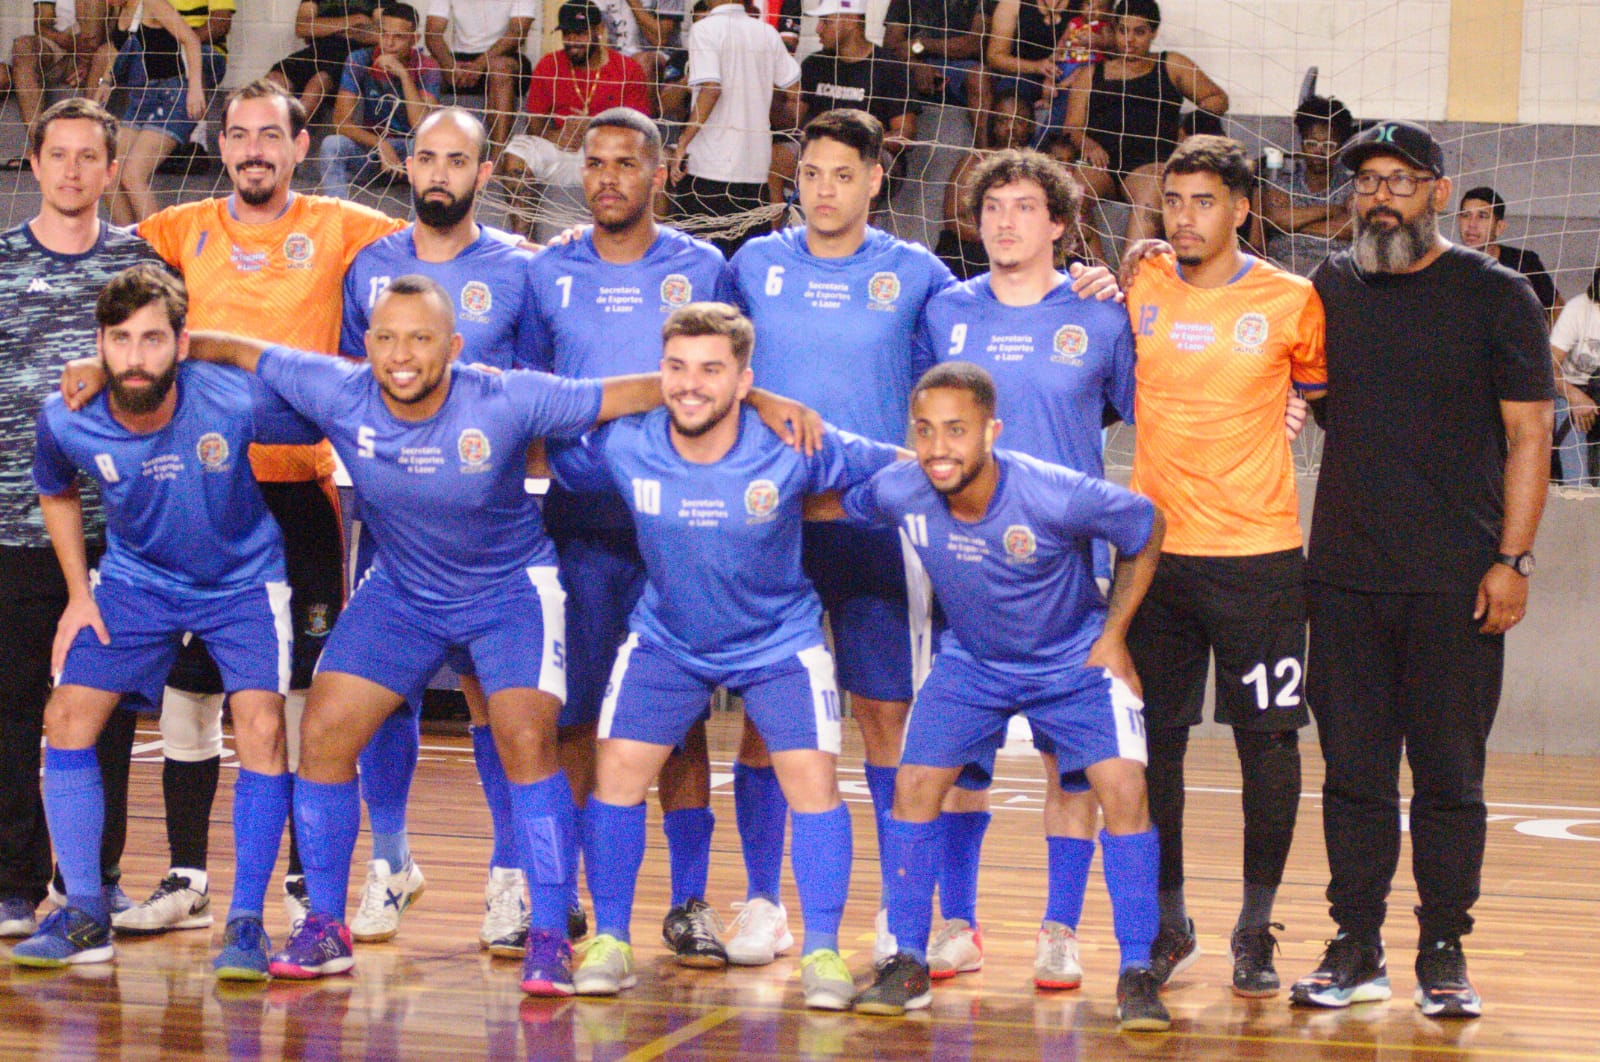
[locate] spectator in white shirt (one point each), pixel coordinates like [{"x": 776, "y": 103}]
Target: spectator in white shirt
[{"x": 478, "y": 45}]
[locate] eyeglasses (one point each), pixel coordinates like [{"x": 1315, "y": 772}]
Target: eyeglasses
[
  {"x": 1399, "y": 184},
  {"x": 1320, "y": 147}
]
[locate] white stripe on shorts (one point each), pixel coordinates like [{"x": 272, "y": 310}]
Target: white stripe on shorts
[
  {"x": 1128, "y": 710},
  {"x": 818, "y": 663},
  {"x": 553, "y": 653},
  {"x": 919, "y": 612},
  {"x": 619, "y": 668},
  {"x": 278, "y": 595}
]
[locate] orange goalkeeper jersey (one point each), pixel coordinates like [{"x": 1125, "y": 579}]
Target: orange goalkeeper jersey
[
  {"x": 1213, "y": 376},
  {"x": 281, "y": 282}
]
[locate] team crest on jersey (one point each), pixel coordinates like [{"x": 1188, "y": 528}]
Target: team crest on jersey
[
  {"x": 1070, "y": 344},
  {"x": 473, "y": 449},
  {"x": 676, "y": 291},
  {"x": 1020, "y": 543},
  {"x": 212, "y": 449},
  {"x": 1250, "y": 332},
  {"x": 317, "y": 620},
  {"x": 760, "y": 500},
  {"x": 882, "y": 290},
  {"x": 476, "y": 300},
  {"x": 298, "y": 249}
]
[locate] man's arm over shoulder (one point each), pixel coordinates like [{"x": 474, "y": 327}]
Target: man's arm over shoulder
[
  {"x": 274, "y": 420},
  {"x": 846, "y": 459}
]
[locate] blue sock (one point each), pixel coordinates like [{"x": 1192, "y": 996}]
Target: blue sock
[
  {"x": 573, "y": 855},
  {"x": 912, "y": 850},
  {"x": 543, "y": 810},
  {"x": 326, "y": 821},
  {"x": 688, "y": 833},
  {"x": 1132, "y": 864},
  {"x": 388, "y": 764},
  {"x": 497, "y": 793},
  {"x": 260, "y": 809},
  {"x": 880, "y": 783},
  {"x": 613, "y": 852},
  {"x": 958, "y": 869},
  {"x": 821, "y": 858},
  {"x": 75, "y": 810},
  {"x": 762, "y": 814},
  {"x": 1069, "y": 879}
]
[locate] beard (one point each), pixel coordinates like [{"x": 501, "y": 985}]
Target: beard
[
  {"x": 624, "y": 222},
  {"x": 1376, "y": 249},
  {"x": 442, "y": 215},
  {"x": 254, "y": 195},
  {"x": 139, "y": 400},
  {"x": 694, "y": 431},
  {"x": 968, "y": 474}
]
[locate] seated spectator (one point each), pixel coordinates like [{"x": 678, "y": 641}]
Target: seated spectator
[
  {"x": 650, "y": 33},
  {"x": 1481, "y": 221},
  {"x": 331, "y": 29},
  {"x": 569, "y": 87},
  {"x": 850, "y": 71},
  {"x": 1306, "y": 203},
  {"x": 960, "y": 247},
  {"x": 1037, "y": 44},
  {"x": 1575, "y": 346},
  {"x": 384, "y": 94},
  {"x": 1122, "y": 113},
  {"x": 943, "y": 43},
  {"x": 478, "y": 45},
  {"x": 58, "y": 52}
]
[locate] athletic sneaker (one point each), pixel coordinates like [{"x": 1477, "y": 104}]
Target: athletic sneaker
[
  {"x": 384, "y": 899},
  {"x": 17, "y": 917},
  {"x": 607, "y": 967},
  {"x": 296, "y": 900},
  {"x": 760, "y": 933},
  {"x": 319, "y": 946},
  {"x": 884, "y": 946},
  {"x": 245, "y": 946},
  {"x": 956, "y": 949},
  {"x": 1173, "y": 951},
  {"x": 826, "y": 980},
  {"x": 1443, "y": 990},
  {"x": 67, "y": 937},
  {"x": 694, "y": 934},
  {"x": 898, "y": 985},
  {"x": 505, "y": 914},
  {"x": 1254, "y": 976},
  {"x": 547, "y": 967},
  {"x": 117, "y": 901},
  {"x": 577, "y": 922},
  {"x": 176, "y": 904},
  {"x": 1139, "y": 1006},
  {"x": 1055, "y": 958},
  {"x": 1351, "y": 972}
]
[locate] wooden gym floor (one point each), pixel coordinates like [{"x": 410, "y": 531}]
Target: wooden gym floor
[{"x": 432, "y": 994}]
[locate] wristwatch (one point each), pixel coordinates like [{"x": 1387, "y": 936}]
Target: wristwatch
[{"x": 1521, "y": 563}]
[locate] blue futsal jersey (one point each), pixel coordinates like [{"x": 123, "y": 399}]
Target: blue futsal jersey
[
  {"x": 721, "y": 542},
  {"x": 445, "y": 496},
  {"x": 1017, "y": 586},
  {"x": 838, "y": 333},
  {"x": 183, "y": 511},
  {"x": 488, "y": 282}
]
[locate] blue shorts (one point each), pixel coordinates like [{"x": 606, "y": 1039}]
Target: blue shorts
[
  {"x": 878, "y": 602},
  {"x": 248, "y": 633},
  {"x": 604, "y": 578},
  {"x": 513, "y": 634},
  {"x": 161, "y": 105},
  {"x": 655, "y": 697},
  {"x": 362, "y": 551},
  {"x": 960, "y": 715}
]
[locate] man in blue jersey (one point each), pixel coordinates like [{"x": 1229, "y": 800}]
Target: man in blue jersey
[
  {"x": 1007, "y": 540},
  {"x": 716, "y": 502},
  {"x": 599, "y": 301},
  {"x": 437, "y": 457},
  {"x": 192, "y": 548}
]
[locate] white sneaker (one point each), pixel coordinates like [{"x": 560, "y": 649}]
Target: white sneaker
[
  {"x": 1055, "y": 958},
  {"x": 296, "y": 900},
  {"x": 956, "y": 949},
  {"x": 760, "y": 934},
  {"x": 176, "y": 904},
  {"x": 505, "y": 913},
  {"x": 884, "y": 946},
  {"x": 384, "y": 899}
]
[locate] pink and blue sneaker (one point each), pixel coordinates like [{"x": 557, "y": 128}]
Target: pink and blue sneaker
[{"x": 319, "y": 946}]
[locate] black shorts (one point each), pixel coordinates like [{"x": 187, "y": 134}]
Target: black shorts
[
  {"x": 313, "y": 546},
  {"x": 1248, "y": 611},
  {"x": 519, "y": 85},
  {"x": 324, "y": 55}
]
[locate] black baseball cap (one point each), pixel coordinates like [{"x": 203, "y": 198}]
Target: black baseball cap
[
  {"x": 578, "y": 16},
  {"x": 1403, "y": 140}
]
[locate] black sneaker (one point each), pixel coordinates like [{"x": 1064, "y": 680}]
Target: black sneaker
[
  {"x": 1351, "y": 972},
  {"x": 1443, "y": 990},
  {"x": 577, "y": 922},
  {"x": 1139, "y": 1006},
  {"x": 899, "y": 985},
  {"x": 694, "y": 934},
  {"x": 1254, "y": 976},
  {"x": 1173, "y": 951}
]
